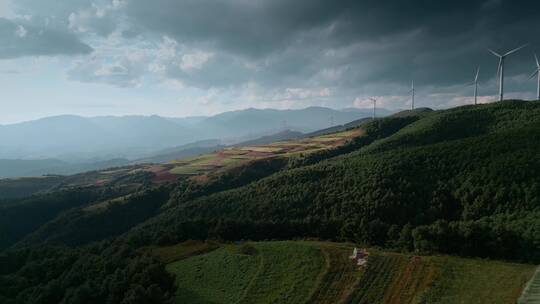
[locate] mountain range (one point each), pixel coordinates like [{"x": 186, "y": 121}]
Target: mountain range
[{"x": 70, "y": 144}]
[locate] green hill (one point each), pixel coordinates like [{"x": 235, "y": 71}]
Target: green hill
[
  {"x": 461, "y": 181},
  {"x": 315, "y": 272}
]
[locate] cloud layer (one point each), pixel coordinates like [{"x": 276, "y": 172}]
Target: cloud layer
[{"x": 282, "y": 51}]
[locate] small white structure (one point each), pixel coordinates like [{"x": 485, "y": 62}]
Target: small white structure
[
  {"x": 362, "y": 262},
  {"x": 360, "y": 256}
]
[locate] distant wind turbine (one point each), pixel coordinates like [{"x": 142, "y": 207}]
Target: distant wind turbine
[
  {"x": 412, "y": 91},
  {"x": 374, "y": 106},
  {"x": 500, "y": 68},
  {"x": 475, "y": 84},
  {"x": 537, "y": 72}
]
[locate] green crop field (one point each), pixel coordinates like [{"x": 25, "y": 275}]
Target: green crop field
[
  {"x": 478, "y": 281},
  {"x": 277, "y": 272},
  {"x": 321, "y": 272}
]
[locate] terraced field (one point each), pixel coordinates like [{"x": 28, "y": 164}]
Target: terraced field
[
  {"x": 234, "y": 156},
  {"x": 393, "y": 278},
  {"x": 321, "y": 272},
  {"x": 341, "y": 276}
]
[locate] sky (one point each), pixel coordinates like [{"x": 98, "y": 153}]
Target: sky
[{"x": 202, "y": 57}]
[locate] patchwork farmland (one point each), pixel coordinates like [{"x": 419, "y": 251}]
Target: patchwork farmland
[
  {"x": 321, "y": 272},
  {"x": 235, "y": 156}
]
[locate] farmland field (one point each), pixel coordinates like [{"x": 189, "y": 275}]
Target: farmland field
[
  {"x": 235, "y": 156},
  {"x": 478, "y": 281},
  {"x": 321, "y": 272},
  {"x": 280, "y": 272}
]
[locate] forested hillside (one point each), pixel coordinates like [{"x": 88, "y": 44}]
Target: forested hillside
[{"x": 461, "y": 181}]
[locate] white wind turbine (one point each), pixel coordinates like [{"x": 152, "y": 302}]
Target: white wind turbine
[
  {"x": 475, "y": 84},
  {"x": 412, "y": 91},
  {"x": 374, "y": 106},
  {"x": 537, "y": 72},
  {"x": 500, "y": 68}
]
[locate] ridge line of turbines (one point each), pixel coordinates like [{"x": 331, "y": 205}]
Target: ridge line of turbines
[{"x": 500, "y": 74}]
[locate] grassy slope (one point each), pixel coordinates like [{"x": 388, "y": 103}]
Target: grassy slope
[
  {"x": 217, "y": 277},
  {"x": 281, "y": 272},
  {"x": 478, "y": 281},
  {"x": 315, "y": 272}
]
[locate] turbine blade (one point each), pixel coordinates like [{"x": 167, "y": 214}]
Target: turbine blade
[
  {"x": 515, "y": 50},
  {"x": 499, "y": 67},
  {"x": 477, "y": 72},
  {"x": 536, "y": 58},
  {"x": 534, "y": 74},
  {"x": 494, "y": 53}
]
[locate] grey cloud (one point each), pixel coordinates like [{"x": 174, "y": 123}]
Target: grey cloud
[
  {"x": 23, "y": 38},
  {"x": 345, "y": 45},
  {"x": 51, "y": 9},
  {"x": 435, "y": 42},
  {"x": 122, "y": 73},
  {"x": 97, "y": 16}
]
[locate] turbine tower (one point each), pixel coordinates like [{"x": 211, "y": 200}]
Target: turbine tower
[
  {"x": 500, "y": 68},
  {"x": 374, "y": 106},
  {"x": 475, "y": 84},
  {"x": 537, "y": 72},
  {"x": 412, "y": 95}
]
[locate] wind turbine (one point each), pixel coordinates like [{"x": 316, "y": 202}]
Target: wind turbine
[
  {"x": 500, "y": 68},
  {"x": 374, "y": 106},
  {"x": 475, "y": 84},
  {"x": 412, "y": 95},
  {"x": 537, "y": 72}
]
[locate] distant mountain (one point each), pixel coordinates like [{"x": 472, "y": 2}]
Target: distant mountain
[
  {"x": 191, "y": 149},
  {"x": 76, "y": 139},
  {"x": 11, "y": 168},
  {"x": 256, "y": 121},
  {"x": 369, "y": 112},
  {"x": 280, "y": 136}
]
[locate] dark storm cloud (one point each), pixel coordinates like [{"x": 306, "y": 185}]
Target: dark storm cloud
[
  {"x": 344, "y": 44},
  {"x": 435, "y": 42},
  {"x": 21, "y": 38}
]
